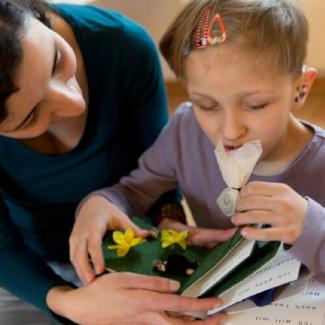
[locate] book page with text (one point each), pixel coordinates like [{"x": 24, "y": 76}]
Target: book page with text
[
  {"x": 283, "y": 268},
  {"x": 307, "y": 308}
]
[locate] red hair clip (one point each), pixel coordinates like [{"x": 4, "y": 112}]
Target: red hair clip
[
  {"x": 212, "y": 40},
  {"x": 205, "y": 32}
]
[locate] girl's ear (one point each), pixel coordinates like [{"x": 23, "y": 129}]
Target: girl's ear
[{"x": 303, "y": 86}]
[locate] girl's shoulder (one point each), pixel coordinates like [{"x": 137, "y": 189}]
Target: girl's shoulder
[
  {"x": 183, "y": 114},
  {"x": 184, "y": 123},
  {"x": 184, "y": 110},
  {"x": 318, "y": 140}
]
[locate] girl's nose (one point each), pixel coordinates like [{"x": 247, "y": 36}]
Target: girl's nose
[{"x": 232, "y": 127}]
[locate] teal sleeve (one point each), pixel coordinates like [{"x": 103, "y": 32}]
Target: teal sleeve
[
  {"x": 23, "y": 273},
  {"x": 142, "y": 81},
  {"x": 147, "y": 100}
]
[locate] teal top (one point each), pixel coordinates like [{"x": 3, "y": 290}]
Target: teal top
[{"x": 127, "y": 110}]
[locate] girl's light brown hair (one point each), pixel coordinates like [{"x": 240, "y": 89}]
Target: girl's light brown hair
[{"x": 276, "y": 31}]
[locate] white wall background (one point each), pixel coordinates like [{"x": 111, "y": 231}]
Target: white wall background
[
  {"x": 315, "y": 12},
  {"x": 156, "y": 15}
]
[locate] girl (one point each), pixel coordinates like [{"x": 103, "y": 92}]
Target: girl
[{"x": 242, "y": 63}]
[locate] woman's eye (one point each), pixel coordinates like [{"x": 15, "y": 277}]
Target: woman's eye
[
  {"x": 29, "y": 121},
  {"x": 59, "y": 62}
]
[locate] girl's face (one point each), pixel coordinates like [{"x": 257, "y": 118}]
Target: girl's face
[
  {"x": 49, "y": 91},
  {"x": 235, "y": 101}
]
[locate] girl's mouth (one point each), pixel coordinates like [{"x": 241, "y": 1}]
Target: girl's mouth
[{"x": 231, "y": 148}]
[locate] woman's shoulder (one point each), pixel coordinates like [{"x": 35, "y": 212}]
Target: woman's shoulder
[{"x": 101, "y": 21}]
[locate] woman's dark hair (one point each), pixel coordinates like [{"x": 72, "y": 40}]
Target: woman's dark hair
[{"x": 13, "y": 14}]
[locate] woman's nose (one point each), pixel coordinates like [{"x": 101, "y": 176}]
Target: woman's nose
[{"x": 65, "y": 99}]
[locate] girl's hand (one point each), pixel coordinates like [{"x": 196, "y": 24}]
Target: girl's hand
[
  {"x": 274, "y": 204},
  {"x": 95, "y": 217},
  {"x": 199, "y": 236},
  {"x": 127, "y": 298}
]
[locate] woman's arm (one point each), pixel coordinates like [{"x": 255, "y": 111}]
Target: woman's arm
[
  {"x": 22, "y": 272},
  {"x": 125, "y": 297},
  {"x": 147, "y": 109}
]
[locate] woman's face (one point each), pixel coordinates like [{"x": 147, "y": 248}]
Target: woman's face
[{"x": 48, "y": 89}]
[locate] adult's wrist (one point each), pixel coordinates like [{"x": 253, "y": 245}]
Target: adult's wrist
[{"x": 57, "y": 300}]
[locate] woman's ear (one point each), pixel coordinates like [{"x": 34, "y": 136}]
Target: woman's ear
[{"x": 303, "y": 86}]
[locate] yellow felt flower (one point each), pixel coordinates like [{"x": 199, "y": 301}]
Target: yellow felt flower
[
  {"x": 170, "y": 237},
  {"x": 125, "y": 241}
]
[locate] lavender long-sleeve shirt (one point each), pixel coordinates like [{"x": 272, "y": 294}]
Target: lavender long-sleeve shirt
[{"x": 183, "y": 156}]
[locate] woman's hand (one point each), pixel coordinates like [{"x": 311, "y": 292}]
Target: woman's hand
[
  {"x": 199, "y": 236},
  {"x": 274, "y": 204},
  {"x": 95, "y": 217},
  {"x": 127, "y": 298}
]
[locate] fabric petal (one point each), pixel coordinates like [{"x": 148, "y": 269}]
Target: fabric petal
[
  {"x": 129, "y": 235},
  {"x": 122, "y": 250},
  {"x": 118, "y": 237},
  {"x": 165, "y": 244},
  {"x": 113, "y": 246},
  {"x": 137, "y": 241},
  {"x": 182, "y": 244}
]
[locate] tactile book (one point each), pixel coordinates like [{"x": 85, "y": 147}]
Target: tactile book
[{"x": 233, "y": 270}]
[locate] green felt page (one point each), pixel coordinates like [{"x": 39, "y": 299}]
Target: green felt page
[
  {"x": 140, "y": 259},
  {"x": 259, "y": 257}
]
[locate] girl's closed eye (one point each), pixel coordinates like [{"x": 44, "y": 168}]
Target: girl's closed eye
[
  {"x": 213, "y": 108},
  {"x": 256, "y": 106},
  {"x": 207, "y": 108}
]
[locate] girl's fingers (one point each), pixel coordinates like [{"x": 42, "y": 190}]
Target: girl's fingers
[
  {"x": 263, "y": 189},
  {"x": 256, "y": 202},
  {"x": 255, "y": 217},
  {"x": 204, "y": 237},
  {"x": 172, "y": 224},
  {"x": 200, "y": 236},
  {"x": 265, "y": 234}
]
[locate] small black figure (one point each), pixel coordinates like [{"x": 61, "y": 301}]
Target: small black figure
[
  {"x": 176, "y": 264},
  {"x": 159, "y": 265},
  {"x": 153, "y": 233}
]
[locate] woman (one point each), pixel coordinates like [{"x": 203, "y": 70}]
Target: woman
[{"x": 81, "y": 97}]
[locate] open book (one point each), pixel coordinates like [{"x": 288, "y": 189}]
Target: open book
[
  {"x": 306, "y": 308},
  {"x": 233, "y": 270}
]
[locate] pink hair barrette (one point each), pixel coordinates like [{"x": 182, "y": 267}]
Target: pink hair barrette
[{"x": 205, "y": 34}]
